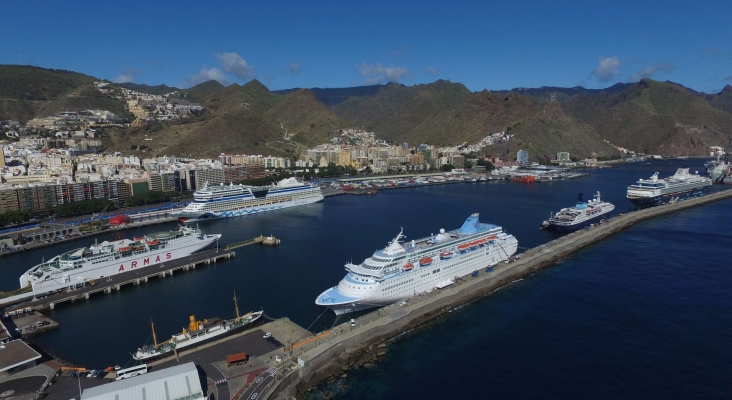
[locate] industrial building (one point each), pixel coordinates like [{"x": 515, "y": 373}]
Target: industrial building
[
  {"x": 175, "y": 383},
  {"x": 16, "y": 356}
]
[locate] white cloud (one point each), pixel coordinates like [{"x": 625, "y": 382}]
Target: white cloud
[
  {"x": 430, "y": 71},
  {"x": 128, "y": 75},
  {"x": 294, "y": 68},
  {"x": 649, "y": 72},
  {"x": 207, "y": 74},
  {"x": 232, "y": 63},
  {"x": 124, "y": 78},
  {"x": 607, "y": 68},
  {"x": 377, "y": 73}
]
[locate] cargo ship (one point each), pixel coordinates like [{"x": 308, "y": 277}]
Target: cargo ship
[
  {"x": 402, "y": 270},
  {"x": 223, "y": 201},
  {"x": 584, "y": 213},
  {"x": 680, "y": 186},
  {"x": 198, "y": 332},
  {"x": 76, "y": 268}
]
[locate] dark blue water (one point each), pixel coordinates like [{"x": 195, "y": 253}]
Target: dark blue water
[{"x": 645, "y": 313}]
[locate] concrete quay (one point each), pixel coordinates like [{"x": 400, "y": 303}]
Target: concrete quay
[
  {"x": 307, "y": 367},
  {"x": 115, "y": 282}
]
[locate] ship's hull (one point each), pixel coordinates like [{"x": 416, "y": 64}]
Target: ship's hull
[
  {"x": 577, "y": 226},
  {"x": 195, "y": 341},
  {"x": 188, "y": 217},
  {"x": 441, "y": 272},
  {"x": 75, "y": 278},
  {"x": 651, "y": 201}
]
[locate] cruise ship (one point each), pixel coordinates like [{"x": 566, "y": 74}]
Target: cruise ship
[
  {"x": 225, "y": 201},
  {"x": 680, "y": 186},
  {"x": 402, "y": 269},
  {"x": 198, "y": 332},
  {"x": 583, "y": 213},
  {"x": 75, "y": 268}
]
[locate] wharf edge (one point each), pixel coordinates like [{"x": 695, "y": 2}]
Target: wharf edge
[{"x": 387, "y": 322}]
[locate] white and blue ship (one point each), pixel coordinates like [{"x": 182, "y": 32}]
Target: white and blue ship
[
  {"x": 406, "y": 269},
  {"x": 680, "y": 186},
  {"x": 225, "y": 201},
  {"x": 584, "y": 213}
]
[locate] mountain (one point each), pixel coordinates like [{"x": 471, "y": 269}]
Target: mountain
[
  {"x": 723, "y": 100},
  {"x": 243, "y": 119},
  {"x": 565, "y": 94},
  {"x": 333, "y": 96},
  {"x": 202, "y": 90},
  {"x": 655, "y": 117},
  {"x": 24, "y": 89},
  {"x": 85, "y": 97},
  {"x": 143, "y": 88}
]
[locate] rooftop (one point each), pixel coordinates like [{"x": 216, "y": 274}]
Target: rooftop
[{"x": 15, "y": 353}]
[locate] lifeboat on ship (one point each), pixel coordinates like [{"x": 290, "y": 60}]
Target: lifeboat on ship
[
  {"x": 446, "y": 255},
  {"x": 125, "y": 249},
  {"x": 425, "y": 262},
  {"x": 464, "y": 247},
  {"x": 473, "y": 245},
  {"x": 481, "y": 242},
  {"x": 153, "y": 243},
  {"x": 139, "y": 248},
  {"x": 139, "y": 238},
  {"x": 408, "y": 267},
  {"x": 491, "y": 238}
]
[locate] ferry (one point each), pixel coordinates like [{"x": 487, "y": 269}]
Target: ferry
[
  {"x": 197, "y": 333},
  {"x": 680, "y": 186},
  {"x": 402, "y": 269},
  {"x": 224, "y": 201},
  {"x": 719, "y": 170},
  {"x": 75, "y": 268},
  {"x": 584, "y": 213}
]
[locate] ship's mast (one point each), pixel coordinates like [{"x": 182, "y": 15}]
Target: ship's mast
[
  {"x": 155, "y": 339},
  {"x": 236, "y": 305}
]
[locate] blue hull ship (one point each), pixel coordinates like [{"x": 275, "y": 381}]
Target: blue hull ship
[
  {"x": 584, "y": 213},
  {"x": 678, "y": 187}
]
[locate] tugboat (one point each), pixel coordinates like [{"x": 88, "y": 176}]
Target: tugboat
[{"x": 584, "y": 213}]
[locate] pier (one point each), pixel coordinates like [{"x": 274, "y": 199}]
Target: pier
[
  {"x": 115, "y": 282},
  {"x": 261, "y": 239},
  {"x": 305, "y": 368}
]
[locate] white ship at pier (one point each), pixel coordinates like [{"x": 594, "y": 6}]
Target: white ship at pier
[
  {"x": 225, "y": 201},
  {"x": 402, "y": 269},
  {"x": 76, "y": 268}
]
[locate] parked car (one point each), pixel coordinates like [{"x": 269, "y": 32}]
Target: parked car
[
  {"x": 267, "y": 335},
  {"x": 353, "y": 322}
]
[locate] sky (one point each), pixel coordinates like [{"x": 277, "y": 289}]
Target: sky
[{"x": 494, "y": 45}]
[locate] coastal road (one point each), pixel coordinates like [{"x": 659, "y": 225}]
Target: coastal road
[{"x": 255, "y": 390}]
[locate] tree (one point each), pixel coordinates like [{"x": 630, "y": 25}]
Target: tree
[
  {"x": 447, "y": 167},
  {"x": 133, "y": 147},
  {"x": 468, "y": 164}
]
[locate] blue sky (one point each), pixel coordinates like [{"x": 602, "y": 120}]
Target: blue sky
[{"x": 484, "y": 45}]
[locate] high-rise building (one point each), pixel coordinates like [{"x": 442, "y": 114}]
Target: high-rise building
[{"x": 522, "y": 157}]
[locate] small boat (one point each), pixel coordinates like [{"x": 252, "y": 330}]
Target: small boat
[
  {"x": 445, "y": 255},
  {"x": 408, "y": 267},
  {"x": 481, "y": 242},
  {"x": 139, "y": 238},
  {"x": 473, "y": 245},
  {"x": 524, "y": 179},
  {"x": 425, "y": 262},
  {"x": 153, "y": 242},
  {"x": 463, "y": 247},
  {"x": 125, "y": 249}
]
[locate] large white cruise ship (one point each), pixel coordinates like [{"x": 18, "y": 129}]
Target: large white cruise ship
[
  {"x": 235, "y": 200},
  {"x": 75, "y": 268},
  {"x": 402, "y": 270},
  {"x": 584, "y": 213},
  {"x": 680, "y": 186}
]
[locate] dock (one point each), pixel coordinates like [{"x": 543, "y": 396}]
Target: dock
[
  {"x": 115, "y": 282},
  {"x": 306, "y": 367},
  {"x": 261, "y": 239}
]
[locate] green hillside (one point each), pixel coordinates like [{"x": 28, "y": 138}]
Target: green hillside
[
  {"x": 723, "y": 100},
  {"x": 143, "y": 88},
  {"x": 21, "y": 82},
  {"x": 85, "y": 97},
  {"x": 201, "y": 91}
]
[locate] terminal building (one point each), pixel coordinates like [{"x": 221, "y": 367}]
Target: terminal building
[
  {"x": 175, "y": 383},
  {"x": 16, "y": 356}
]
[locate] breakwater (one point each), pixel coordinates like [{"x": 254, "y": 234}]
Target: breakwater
[{"x": 318, "y": 363}]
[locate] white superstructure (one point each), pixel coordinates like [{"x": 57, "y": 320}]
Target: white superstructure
[
  {"x": 402, "y": 270},
  {"x": 75, "y": 268},
  {"x": 236, "y": 200},
  {"x": 680, "y": 186}
]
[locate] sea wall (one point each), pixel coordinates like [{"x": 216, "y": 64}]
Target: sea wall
[{"x": 322, "y": 360}]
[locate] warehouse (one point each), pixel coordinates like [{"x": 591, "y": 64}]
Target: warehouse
[{"x": 175, "y": 383}]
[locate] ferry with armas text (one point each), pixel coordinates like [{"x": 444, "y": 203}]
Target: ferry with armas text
[
  {"x": 223, "y": 201},
  {"x": 403, "y": 269},
  {"x": 198, "y": 332},
  {"x": 680, "y": 186},
  {"x": 584, "y": 213},
  {"x": 76, "y": 268}
]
